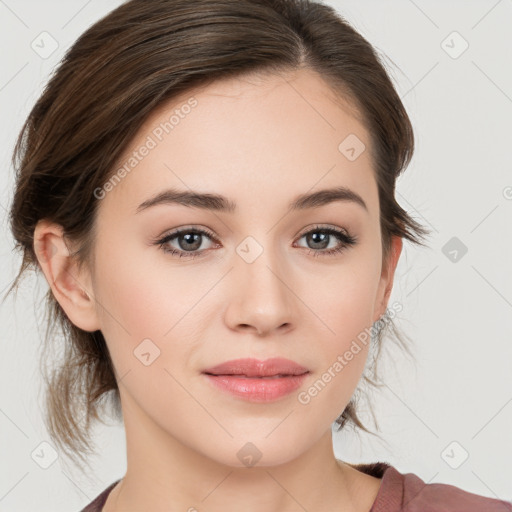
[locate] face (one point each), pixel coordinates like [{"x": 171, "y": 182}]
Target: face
[{"x": 260, "y": 281}]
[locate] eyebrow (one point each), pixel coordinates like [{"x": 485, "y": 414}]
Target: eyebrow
[{"x": 220, "y": 203}]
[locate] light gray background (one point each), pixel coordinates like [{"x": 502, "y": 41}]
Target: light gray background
[{"x": 457, "y": 313}]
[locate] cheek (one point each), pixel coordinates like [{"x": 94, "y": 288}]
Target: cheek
[
  {"x": 345, "y": 304},
  {"x": 129, "y": 305},
  {"x": 143, "y": 322},
  {"x": 340, "y": 351},
  {"x": 344, "y": 299},
  {"x": 133, "y": 293},
  {"x": 149, "y": 309}
]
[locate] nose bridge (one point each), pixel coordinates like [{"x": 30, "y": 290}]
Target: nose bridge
[{"x": 259, "y": 263}]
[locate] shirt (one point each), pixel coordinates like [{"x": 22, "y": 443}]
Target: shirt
[{"x": 398, "y": 493}]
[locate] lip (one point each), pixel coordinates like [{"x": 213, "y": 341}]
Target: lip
[
  {"x": 254, "y": 368},
  {"x": 257, "y": 381}
]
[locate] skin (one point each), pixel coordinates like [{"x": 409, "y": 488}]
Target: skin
[{"x": 260, "y": 142}]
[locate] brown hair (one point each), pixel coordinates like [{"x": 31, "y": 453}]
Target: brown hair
[{"x": 137, "y": 57}]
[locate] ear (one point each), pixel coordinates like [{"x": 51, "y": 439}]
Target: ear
[
  {"x": 387, "y": 276},
  {"x": 71, "y": 288}
]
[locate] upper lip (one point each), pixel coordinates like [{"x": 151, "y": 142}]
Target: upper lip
[{"x": 255, "y": 368}]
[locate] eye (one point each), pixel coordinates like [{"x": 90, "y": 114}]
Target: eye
[
  {"x": 320, "y": 238},
  {"x": 190, "y": 240}
]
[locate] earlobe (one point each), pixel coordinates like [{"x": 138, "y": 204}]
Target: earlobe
[
  {"x": 387, "y": 277},
  {"x": 69, "y": 287}
]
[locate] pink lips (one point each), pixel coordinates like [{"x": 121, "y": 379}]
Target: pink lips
[{"x": 257, "y": 381}]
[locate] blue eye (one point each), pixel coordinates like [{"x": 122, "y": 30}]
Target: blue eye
[{"x": 190, "y": 240}]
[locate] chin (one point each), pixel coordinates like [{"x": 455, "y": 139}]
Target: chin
[{"x": 257, "y": 452}]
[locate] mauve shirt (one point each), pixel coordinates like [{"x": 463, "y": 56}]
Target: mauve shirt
[{"x": 398, "y": 493}]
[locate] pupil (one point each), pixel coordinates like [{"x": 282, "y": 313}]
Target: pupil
[
  {"x": 189, "y": 238},
  {"x": 317, "y": 235}
]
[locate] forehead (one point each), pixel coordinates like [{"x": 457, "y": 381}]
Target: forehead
[{"x": 251, "y": 137}]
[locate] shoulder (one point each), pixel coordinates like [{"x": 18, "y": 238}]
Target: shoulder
[
  {"x": 97, "y": 503},
  {"x": 409, "y": 493},
  {"x": 417, "y": 495}
]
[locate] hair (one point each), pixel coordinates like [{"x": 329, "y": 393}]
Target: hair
[{"x": 136, "y": 58}]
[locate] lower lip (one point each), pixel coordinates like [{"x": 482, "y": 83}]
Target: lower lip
[{"x": 256, "y": 389}]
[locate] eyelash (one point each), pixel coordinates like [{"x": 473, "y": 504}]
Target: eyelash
[{"x": 346, "y": 240}]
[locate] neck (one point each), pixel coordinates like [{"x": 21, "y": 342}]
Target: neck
[{"x": 164, "y": 474}]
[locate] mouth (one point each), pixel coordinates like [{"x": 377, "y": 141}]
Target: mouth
[{"x": 257, "y": 381}]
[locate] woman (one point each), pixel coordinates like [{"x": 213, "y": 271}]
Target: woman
[{"x": 208, "y": 189}]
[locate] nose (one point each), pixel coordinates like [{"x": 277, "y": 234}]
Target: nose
[{"x": 261, "y": 295}]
